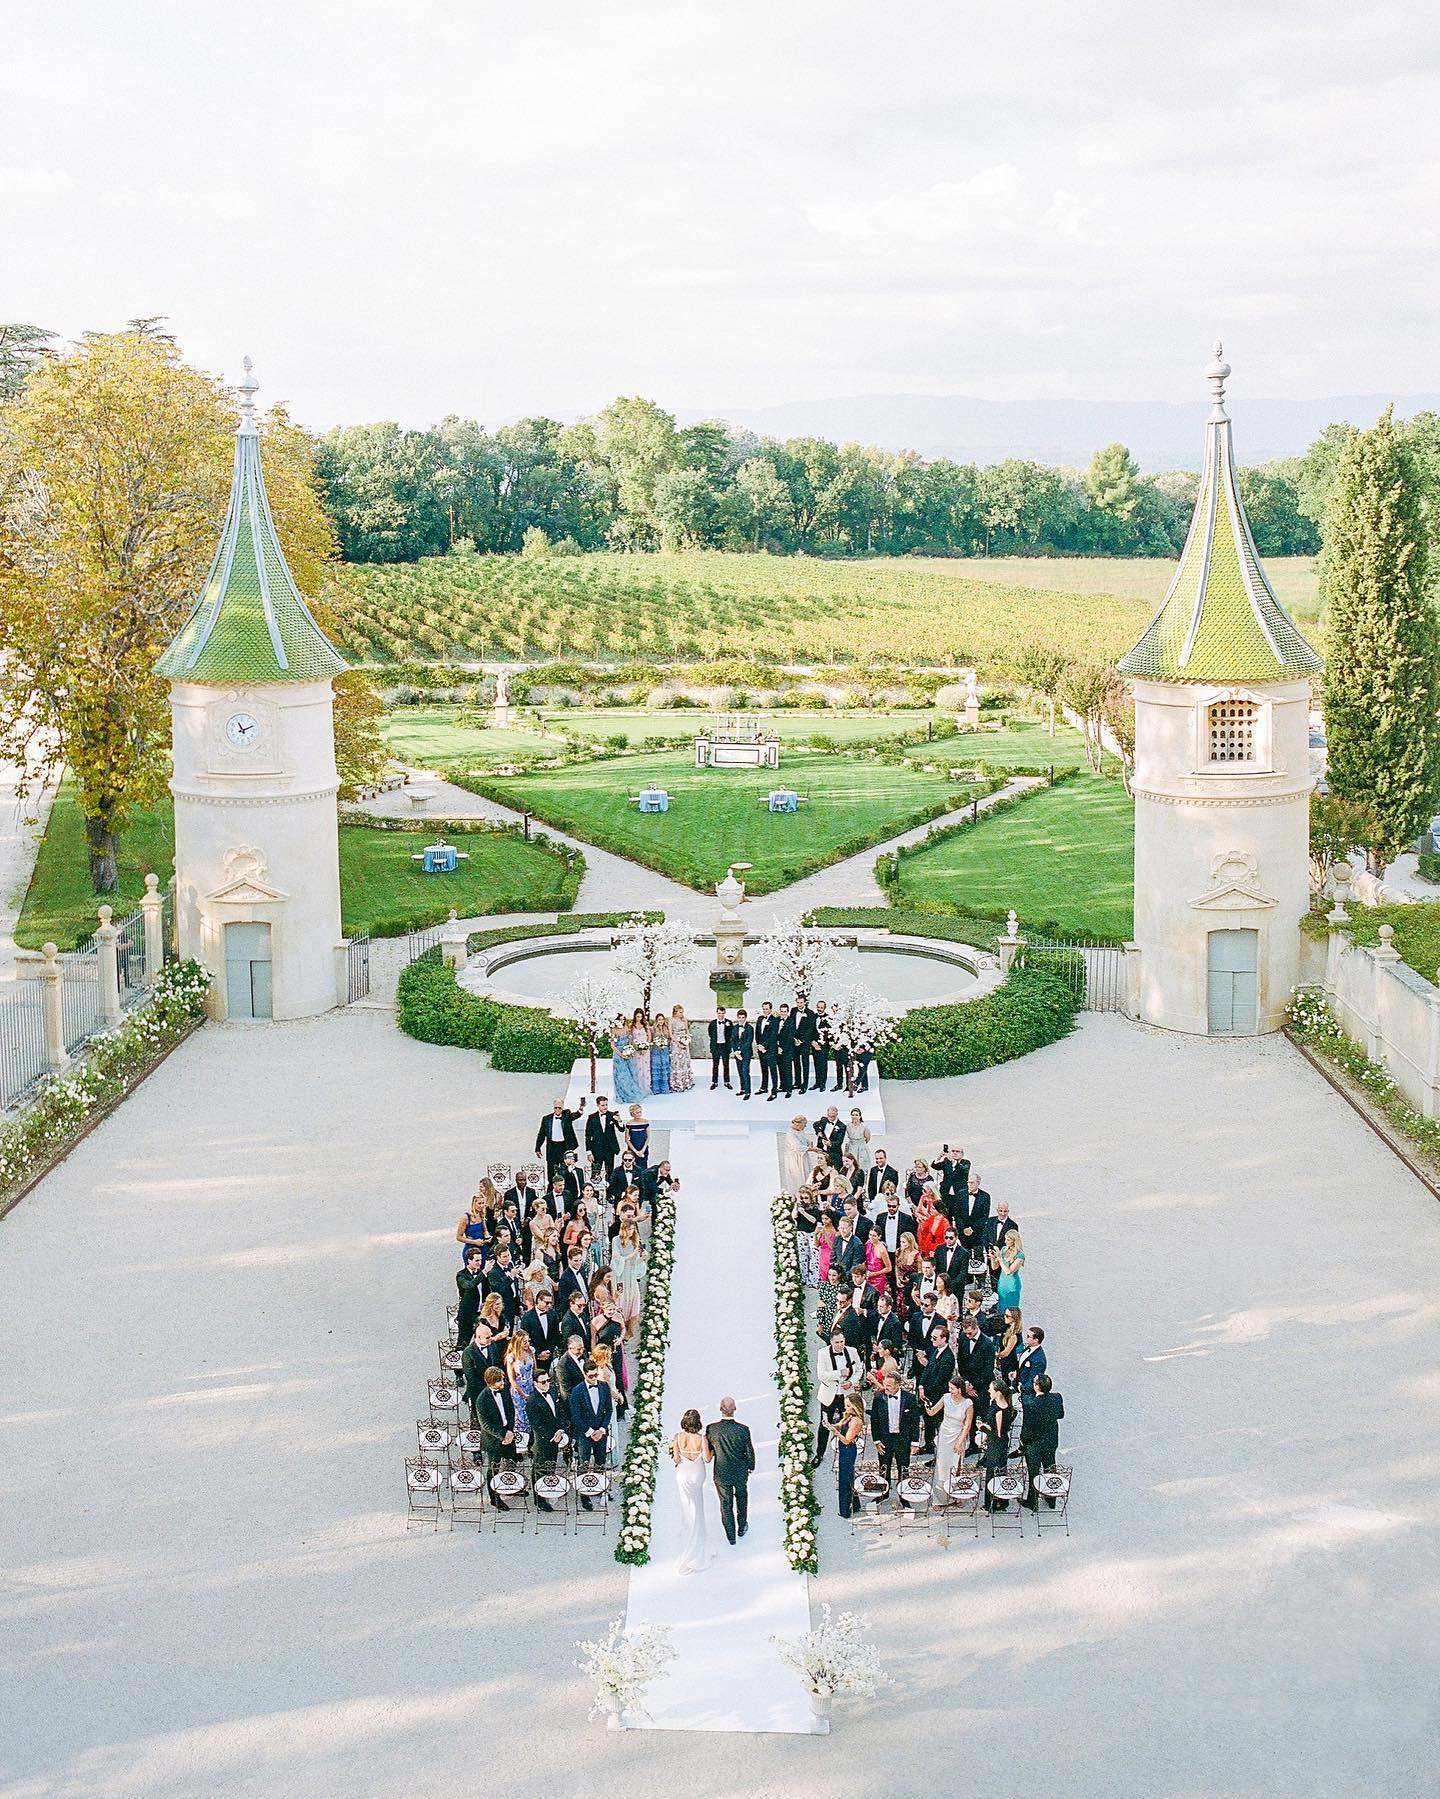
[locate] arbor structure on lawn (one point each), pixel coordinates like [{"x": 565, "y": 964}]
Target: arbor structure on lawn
[
  {"x": 1222, "y": 684},
  {"x": 257, "y": 857}
]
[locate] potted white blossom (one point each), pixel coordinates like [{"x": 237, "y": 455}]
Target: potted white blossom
[
  {"x": 834, "y": 1661},
  {"x": 592, "y": 1002},
  {"x": 649, "y": 951},
  {"x": 622, "y": 1665},
  {"x": 792, "y": 957},
  {"x": 865, "y": 1021}
]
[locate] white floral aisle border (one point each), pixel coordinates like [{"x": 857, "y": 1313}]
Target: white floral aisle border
[
  {"x": 114, "y": 1060},
  {"x": 792, "y": 1376},
  {"x": 642, "y": 1451}
]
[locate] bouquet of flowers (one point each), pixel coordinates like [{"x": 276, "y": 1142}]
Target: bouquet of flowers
[
  {"x": 622, "y": 1664},
  {"x": 834, "y": 1660}
]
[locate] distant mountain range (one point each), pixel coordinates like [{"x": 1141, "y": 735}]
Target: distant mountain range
[{"x": 1160, "y": 434}]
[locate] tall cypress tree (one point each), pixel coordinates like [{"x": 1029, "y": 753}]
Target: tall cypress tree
[{"x": 1382, "y": 673}]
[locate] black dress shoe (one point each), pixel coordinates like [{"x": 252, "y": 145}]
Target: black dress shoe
[{"x": 743, "y": 1529}]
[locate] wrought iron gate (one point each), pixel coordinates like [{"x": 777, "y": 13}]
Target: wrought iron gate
[{"x": 358, "y": 958}]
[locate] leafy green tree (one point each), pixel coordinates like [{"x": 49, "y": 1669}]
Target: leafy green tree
[
  {"x": 1382, "y": 679},
  {"x": 1271, "y": 497},
  {"x": 383, "y": 489},
  {"x": 1043, "y": 671},
  {"x": 1337, "y": 827},
  {"x": 1113, "y": 484},
  {"x": 22, "y": 348},
  {"x": 765, "y": 497}
]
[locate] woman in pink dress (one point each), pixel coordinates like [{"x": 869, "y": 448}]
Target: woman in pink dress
[{"x": 682, "y": 1077}]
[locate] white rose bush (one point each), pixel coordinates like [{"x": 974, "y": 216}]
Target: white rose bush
[
  {"x": 792, "y": 1377},
  {"x": 642, "y": 1450},
  {"x": 114, "y": 1061}
]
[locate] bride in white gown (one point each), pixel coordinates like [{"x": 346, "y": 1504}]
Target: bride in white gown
[{"x": 691, "y": 1454}]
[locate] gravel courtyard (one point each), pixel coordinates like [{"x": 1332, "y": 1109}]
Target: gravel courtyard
[{"x": 215, "y": 1322}]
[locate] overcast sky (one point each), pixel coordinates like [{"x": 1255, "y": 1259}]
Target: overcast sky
[{"x": 408, "y": 209}]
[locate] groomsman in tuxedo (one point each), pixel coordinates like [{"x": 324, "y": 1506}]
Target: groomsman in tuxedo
[
  {"x": 542, "y": 1327},
  {"x": 721, "y": 1035},
  {"x": 820, "y": 1046},
  {"x": 785, "y": 1049},
  {"x": 767, "y": 1039},
  {"x": 804, "y": 1020},
  {"x": 840, "y": 1056},
  {"x": 744, "y": 1049},
  {"x": 894, "y": 1425},
  {"x": 557, "y": 1133},
  {"x": 830, "y": 1133},
  {"x": 549, "y": 1425},
  {"x": 602, "y": 1139}
]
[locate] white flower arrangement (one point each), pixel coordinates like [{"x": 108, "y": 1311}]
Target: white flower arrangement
[
  {"x": 834, "y": 1660},
  {"x": 865, "y": 1020},
  {"x": 622, "y": 1665},
  {"x": 792, "y": 1378},
  {"x": 114, "y": 1060},
  {"x": 642, "y": 1449},
  {"x": 792, "y": 957},
  {"x": 592, "y": 1001},
  {"x": 648, "y": 951}
]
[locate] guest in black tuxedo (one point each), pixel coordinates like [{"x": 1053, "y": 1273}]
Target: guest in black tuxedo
[
  {"x": 549, "y": 1423},
  {"x": 570, "y": 1369},
  {"x": 935, "y": 1382},
  {"x": 970, "y": 1214},
  {"x": 894, "y": 1425},
  {"x": 624, "y": 1177},
  {"x": 503, "y": 1281},
  {"x": 891, "y": 1225},
  {"x": 767, "y": 1038},
  {"x": 820, "y": 1046},
  {"x": 918, "y": 1326},
  {"x": 882, "y": 1175},
  {"x": 953, "y": 1168},
  {"x": 542, "y": 1327},
  {"x": 1040, "y": 1433},
  {"x": 804, "y": 1021},
  {"x": 495, "y": 1419},
  {"x": 888, "y": 1340},
  {"x": 1030, "y": 1364},
  {"x": 602, "y": 1139},
  {"x": 591, "y": 1409},
  {"x": 519, "y": 1197},
  {"x": 953, "y": 1261},
  {"x": 847, "y": 1252},
  {"x": 575, "y": 1318},
  {"x": 734, "y": 1461},
  {"x": 975, "y": 1360},
  {"x": 655, "y": 1181},
  {"x": 478, "y": 1357},
  {"x": 830, "y": 1135},
  {"x": 743, "y": 1050},
  {"x": 470, "y": 1283},
  {"x": 721, "y": 1036},
  {"x": 851, "y": 1323},
  {"x": 557, "y": 1133},
  {"x": 997, "y": 1224}
]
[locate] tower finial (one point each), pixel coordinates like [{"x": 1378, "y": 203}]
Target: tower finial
[
  {"x": 249, "y": 387},
  {"x": 1217, "y": 373}
]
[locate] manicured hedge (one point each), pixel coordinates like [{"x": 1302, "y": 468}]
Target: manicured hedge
[
  {"x": 1032, "y": 1007},
  {"x": 431, "y": 1005}
]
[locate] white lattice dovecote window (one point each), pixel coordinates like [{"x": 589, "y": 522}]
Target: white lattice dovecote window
[{"x": 1231, "y": 730}]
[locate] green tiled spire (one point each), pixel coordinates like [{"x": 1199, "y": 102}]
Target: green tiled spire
[
  {"x": 250, "y": 623},
  {"x": 1220, "y": 619}
]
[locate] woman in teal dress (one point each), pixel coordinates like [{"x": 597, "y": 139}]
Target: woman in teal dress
[
  {"x": 622, "y": 1067},
  {"x": 1012, "y": 1260}
]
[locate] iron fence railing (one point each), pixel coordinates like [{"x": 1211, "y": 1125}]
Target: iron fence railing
[
  {"x": 358, "y": 964},
  {"x": 80, "y": 1015},
  {"x": 23, "y": 1058},
  {"x": 417, "y": 942},
  {"x": 1096, "y": 971},
  {"x": 130, "y": 958}
]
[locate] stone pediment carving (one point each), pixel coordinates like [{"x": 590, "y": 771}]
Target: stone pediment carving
[
  {"x": 244, "y": 882},
  {"x": 1235, "y": 874}
]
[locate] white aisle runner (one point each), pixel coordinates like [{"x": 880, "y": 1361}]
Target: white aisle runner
[{"x": 725, "y": 1675}]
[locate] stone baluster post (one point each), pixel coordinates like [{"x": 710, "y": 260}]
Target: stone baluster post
[
  {"x": 107, "y": 968},
  {"x": 1381, "y": 957},
  {"x": 153, "y": 909},
  {"x": 454, "y": 942},
  {"x": 51, "y": 974}
]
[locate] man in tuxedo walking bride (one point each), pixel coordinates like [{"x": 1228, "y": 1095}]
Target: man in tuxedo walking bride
[{"x": 733, "y": 1450}]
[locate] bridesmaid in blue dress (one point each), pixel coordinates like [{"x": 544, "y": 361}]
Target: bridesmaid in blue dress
[
  {"x": 622, "y": 1068},
  {"x": 640, "y": 1040},
  {"x": 659, "y": 1053}
]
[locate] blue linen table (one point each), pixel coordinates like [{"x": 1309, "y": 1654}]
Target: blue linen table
[
  {"x": 654, "y": 799},
  {"x": 440, "y": 859},
  {"x": 782, "y": 799}
]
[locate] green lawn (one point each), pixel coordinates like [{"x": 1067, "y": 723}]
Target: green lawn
[
  {"x": 1019, "y": 746},
  {"x": 431, "y": 737},
  {"x": 1064, "y": 856},
  {"x": 715, "y": 817},
  {"x": 379, "y": 885},
  {"x": 851, "y": 726}
]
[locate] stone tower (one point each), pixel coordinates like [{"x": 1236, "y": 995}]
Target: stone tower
[
  {"x": 257, "y": 890},
  {"x": 1222, "y": 781}
]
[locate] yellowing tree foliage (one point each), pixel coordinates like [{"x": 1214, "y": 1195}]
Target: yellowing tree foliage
[{"x": 115, "y": 465}]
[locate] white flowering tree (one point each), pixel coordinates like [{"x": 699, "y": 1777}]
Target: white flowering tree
[
  {"x": 649, "y": 953},
  {"x": 865, "y": 1021},
  {"x": 792, "y": 957},
  {"x": 834, "y": 1660},
  {"x": 592, "y": 1002},
  {"x": 622, "y": 1665}
]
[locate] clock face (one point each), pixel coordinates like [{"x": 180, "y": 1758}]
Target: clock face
[{"x": 242, "y": 730}]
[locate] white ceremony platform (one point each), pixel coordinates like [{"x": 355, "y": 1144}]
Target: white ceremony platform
[{"x": 684, "y": 1111}]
